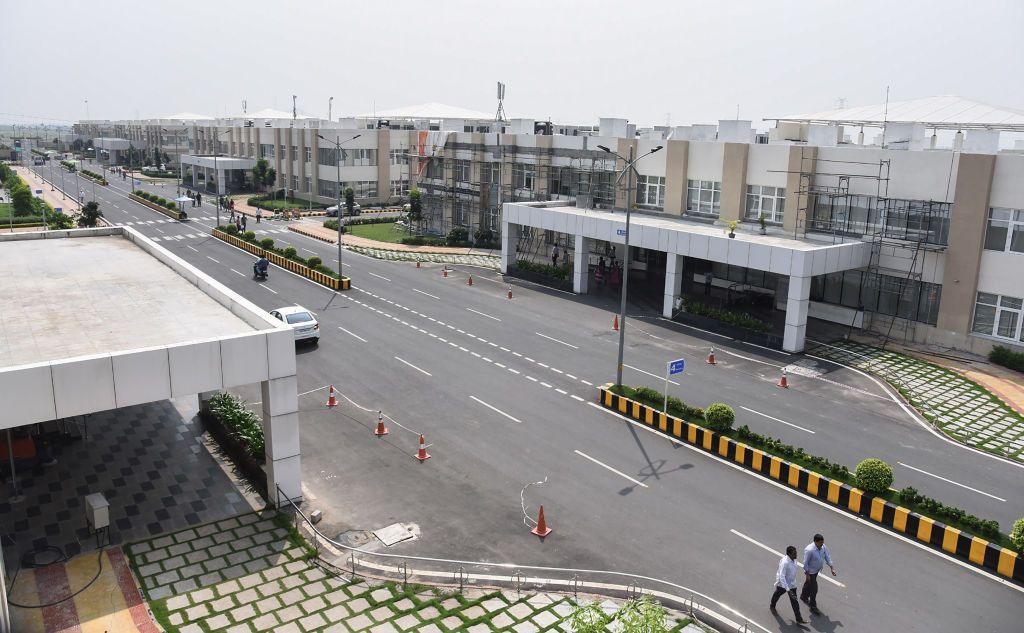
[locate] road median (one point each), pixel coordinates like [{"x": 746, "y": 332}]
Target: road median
[
  {"x": 973, "y": 549},
  {"x": 156, "y": 206},
  {"x": 295, "y": 265}
]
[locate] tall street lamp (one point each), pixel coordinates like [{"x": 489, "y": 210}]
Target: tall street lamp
[
  {"x": 628, "y": 170},
  {"x": 337, "y": 150}
]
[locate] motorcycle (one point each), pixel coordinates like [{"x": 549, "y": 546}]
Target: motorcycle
[{"x": 260, "y": 270}]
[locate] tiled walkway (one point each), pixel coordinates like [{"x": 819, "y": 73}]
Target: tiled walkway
[
  {"x": 244, "y": 575},
  {"x": 961, "y": 408},
  {"x": 484, "y": 261}
]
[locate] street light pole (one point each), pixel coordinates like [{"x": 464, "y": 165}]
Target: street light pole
[
  {"x": 337, "y": 150},
  {"x": 627, "y": 171},
  {"x": 216, "y": 174}
]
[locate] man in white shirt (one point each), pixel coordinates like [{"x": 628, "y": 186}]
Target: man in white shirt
[
  {"x": 816, "y": 556},
  {"x": 785, "y": 582}
]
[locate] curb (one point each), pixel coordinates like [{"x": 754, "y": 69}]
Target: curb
[
  {"x": 174, "y": 215},
  {"x": 301, "y": 231},
  {"x": 967, "y": 547},
  {"x": 287, "y": 264}
]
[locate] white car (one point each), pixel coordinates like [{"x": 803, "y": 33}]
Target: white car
[{"x": 302, "y": 321}]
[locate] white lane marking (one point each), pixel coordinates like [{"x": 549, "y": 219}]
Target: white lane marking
[
  {"x": 482, "y": 314},
  {"x": 158, "y": 229},
  {"x": 376, "y": 275},
  {"x": 211, "y": 259},
  {"x": 351, "y": 334},
  {"x": 545, "y": 384},
  {"x": 426, "y": 293},
  {"x": 413, "y": 366},
  {"x": 649, "y": 374},
  {"x": 606, "y": 466},
  {"x": 780, "y": 555},
  {"x": 236, "y": 272},
  {"x": 562, "y": 391},
  {"x": 587, "y": 382},
  {"x": 496, "y": 410},
  {"x": 556, "y": 340},
  {"x": 955, "y": 483},
  {"x": 307, "y": 250},
  {"x": 531, "y": 378},
  {"x": 268, "y": 288},
  {"x": 195, "y": 249},
  {"x": 778, "y": 420},
  {"x": 577, "y": 398},
  {"x": 826, "y": 506},
  {"x": 514, "y": 371}
]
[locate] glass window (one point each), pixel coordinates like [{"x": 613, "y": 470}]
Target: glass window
[
  {"x": 461, "y": 169},
  {"x": 298, "y": 317},
  {"x": 703, "y": 197},
  {"x": 998, "y": 227},
  {"x": 650, "y": 191},
  {"x": 767, "y": 201},
  {"x": 996, "y": 315}
]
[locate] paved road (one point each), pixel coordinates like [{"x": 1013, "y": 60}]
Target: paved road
[{"x": 506, "y": 402}]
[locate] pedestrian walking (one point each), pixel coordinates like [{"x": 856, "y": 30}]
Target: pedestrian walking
[
  {"x": 616, "y": 276},
  {"x": 243, "y": 222},
  {"x": 554, "y": 256},
  {"x": 816, "y": 556},
  {"x": 259, "y": 215},
  {"x": 785, "y": 582},
  {"x": 708, "y": 278},
  {"x": 601, "y": 267},
  {"x": 238, "y": 224}
]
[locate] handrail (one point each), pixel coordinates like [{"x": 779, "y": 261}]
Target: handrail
[{"x": 458, "y": 576}]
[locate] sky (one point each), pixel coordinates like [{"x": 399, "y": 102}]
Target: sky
[{"x": 652, "y": 62}]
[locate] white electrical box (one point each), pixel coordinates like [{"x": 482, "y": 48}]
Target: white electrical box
[{"x": 97, "y": 511}]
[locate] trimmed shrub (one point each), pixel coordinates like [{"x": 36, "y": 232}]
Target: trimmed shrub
[
  {"x": 230, "y": 229},
  {"x": 1017, "y": 533},
  {"x": 1001, "y": 355},
  {"x": 457, "y": 236},
  {"x": 290, "y": 252},
  {"x": 240, "y": 421},
  {"x": 557, "y": 272},
  {"x": 730, "y": 317},
  {"x": 267, "y": 243},
  {"x": 423, "y": 240},
  {"x": 314, "y": 262},
  {"x": 873, "y": 475},
  {"x": 248, "y": 236},
  {"x": 331, "y": 224},
  {"x": 719, "y": 416}
]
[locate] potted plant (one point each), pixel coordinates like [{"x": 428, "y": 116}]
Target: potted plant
[
  {"x": 764, "y": 224},
  {"x": 732, "y": 224}
]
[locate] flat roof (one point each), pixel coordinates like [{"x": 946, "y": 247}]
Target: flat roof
[{"x": 63, "y": 298}]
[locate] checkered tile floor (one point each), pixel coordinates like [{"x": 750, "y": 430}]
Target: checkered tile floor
[{"x": 147, "y": 461}]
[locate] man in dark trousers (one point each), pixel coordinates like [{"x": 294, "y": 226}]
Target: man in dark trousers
[
  {"x": 816, "y": 556},
  {"x": 785, "y": 582}
]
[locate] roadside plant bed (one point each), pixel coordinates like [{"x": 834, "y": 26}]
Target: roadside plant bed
[
  {"x": 1006, "y": 357},
  {"x": 800, "y": 472},
  {"x": 97, "y": 178},
  {"x": 239, "y": 433},
  {"x": 161, "y": 173},
  {"x": 286, "y": 258},
  {"x": 734, "y": 318},
  {"x": 765, "y": 339},
  {"x": 155, "y": 202},
  {"x": 68, "y": 165},
  {"x": 271, "y": 204},
  {"x": 542, "y": 274}
]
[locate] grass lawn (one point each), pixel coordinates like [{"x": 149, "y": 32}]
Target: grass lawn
[
  {"x": 6, "y": 209},
  {"x": 380, "y": 232},
  {"x": 288, "y": 203}
]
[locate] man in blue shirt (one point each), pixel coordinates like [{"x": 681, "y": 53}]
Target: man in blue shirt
[
  {"x": 816, "y": 556},
  {"x": 785, "y": 582}
]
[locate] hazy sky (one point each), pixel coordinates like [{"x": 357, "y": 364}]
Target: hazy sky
[{"x": 690, "y": 60}]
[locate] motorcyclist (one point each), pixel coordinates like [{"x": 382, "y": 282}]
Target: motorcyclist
[{"x": 260, "y": 267}]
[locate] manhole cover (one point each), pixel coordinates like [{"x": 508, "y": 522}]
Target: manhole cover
[
  {"x": 355, "y": 538},
  {"x": 395, "y": 533}
]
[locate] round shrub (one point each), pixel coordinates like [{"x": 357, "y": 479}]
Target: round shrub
[
  {"x": 267, "y": 243},
  {"x": 230, "y": 229},
  {"x": 873, "y": 475},
  {"x": 1017, "y": 533},
  {"x": 290, "y": 252},
  {"x": 249, "y": 236},
  {"x": 314, "y": 261},
  {"x": 719, "y": 416}
]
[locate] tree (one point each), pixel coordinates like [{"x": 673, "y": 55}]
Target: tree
[
  {"x": 263, "y": 174},
  {"x": 21, "y": 197},
  {"x": 415, "y": 208},
  {"x": 61, "y": 221},
  {"x": 90, "y": 214},
  {"x": 350, "y": 200}
]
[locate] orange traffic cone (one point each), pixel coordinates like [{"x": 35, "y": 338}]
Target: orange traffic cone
[
  {"x": 381, "y": 430},
  {"x": 444, "y": 271},
  {"x": 711, "y": 356},
  {"x": 510, "y": 291},
  {"x": 782, "y": 381},
  {"x": 422, "y": 453},
  {"x": 615, "y": 324},
  {"x": 542, "y": 528},
  {"x": 469, "y": 282},
  {"x": 332, "y": 401}
]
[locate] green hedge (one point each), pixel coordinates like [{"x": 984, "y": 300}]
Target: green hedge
[
  {"x": 1006, "y": 357},
  {"x": 155, "y": 199},
  {"x": 97, "y": 177},
  {"x": 558, "y": 272},
  {"x": 69, "y": 165},
  {"x": 424, "y": 240},
  {"x": 271, "y": 204},
  {"x": 730, "y": 317},
  {"x": 268, "y": 244},
  {"x": 240, "y": 421},
  {"x": 159, "y": 173}
]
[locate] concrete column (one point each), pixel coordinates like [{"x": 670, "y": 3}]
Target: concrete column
[
  {"x": 384, "y": 164},
  {"x": 676, "y": 156},
  {"x": 509, "y": 240},
  {"x": 281, "y": 432},
  {"x": 204, "y": 401},
  {"x": 673, "y": 283},
  {"x": 734, "y": 182},
  {"x": 581, "y": 265},
  {"x": 796, "y": 314}
]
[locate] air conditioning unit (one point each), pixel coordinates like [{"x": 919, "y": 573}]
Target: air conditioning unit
[{"x": 97, "y": 511}]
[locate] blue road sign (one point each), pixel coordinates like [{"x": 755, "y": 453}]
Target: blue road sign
[
  {"x": 620, "y": 231},
  {"x": 676, "y": 366}
]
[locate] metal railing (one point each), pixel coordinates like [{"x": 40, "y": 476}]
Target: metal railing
[{"x": 461, "y": 574}]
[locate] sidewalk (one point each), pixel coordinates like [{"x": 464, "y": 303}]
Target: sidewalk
[
  {"x": 53, "y": 198},
  {"x": 976, "y": 404}
]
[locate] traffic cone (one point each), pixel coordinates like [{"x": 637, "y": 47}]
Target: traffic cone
[
  {"x": 332, "y": 401},
  {"x": 615, "y": 324},
  {"x": 469, "y": 282},
  {"x": 381, "y": 430},
  {"x": 782, "y": 381},
  {"x": 711, "y": 356},
  {"x": 542, "y": 528},
  {"x": 422, "y": 453},
  {"x": 510, "y": 291},
  {"x": 444, "y": 271}
]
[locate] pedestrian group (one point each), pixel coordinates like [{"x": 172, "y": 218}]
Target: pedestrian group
[{"x": 816, "y": 556}]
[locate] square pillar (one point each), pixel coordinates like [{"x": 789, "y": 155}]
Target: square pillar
[
  {"x": 509, "y": 241},
  {"x": 281, "y": 433},
  {"x": 796, "y": 314},
  {"x": 204, "y": 402},
  {"x": 673, "y": 283},
  {"x": 581, "y": 265}
]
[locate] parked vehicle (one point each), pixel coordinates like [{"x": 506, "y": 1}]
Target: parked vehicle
[
  {"x": 303, "y": 322},
  {"x": 332, "y": 211}
]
